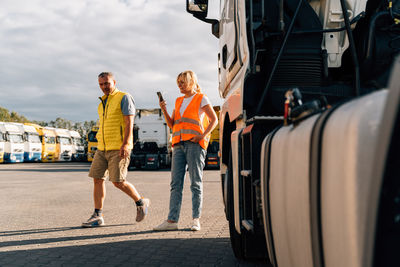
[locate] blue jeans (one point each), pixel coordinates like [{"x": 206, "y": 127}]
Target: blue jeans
[{"x": 193, "y": 156}]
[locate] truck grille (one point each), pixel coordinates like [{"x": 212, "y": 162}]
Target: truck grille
[{"x": 298, "y": 70}]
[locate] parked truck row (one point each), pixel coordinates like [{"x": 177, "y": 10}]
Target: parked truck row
[
  {"x": 33, "y": 143},
  {"x": 152, "y": 143}
]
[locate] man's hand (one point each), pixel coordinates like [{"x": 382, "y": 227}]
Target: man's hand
[{"x": 124, "y": 151}]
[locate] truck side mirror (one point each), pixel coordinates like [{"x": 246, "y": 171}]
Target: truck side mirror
[{"x": 199, "y": 9}]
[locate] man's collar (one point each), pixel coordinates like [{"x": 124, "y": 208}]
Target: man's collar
[{"x": 112, "y": 94}]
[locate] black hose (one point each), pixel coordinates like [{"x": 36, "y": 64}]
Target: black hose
[
  {"x": 264, "y": 94},
  {"x": 371, "y": 32},
  {"x": 281, "y": 18},
  {"x": 352, "y": 48}
]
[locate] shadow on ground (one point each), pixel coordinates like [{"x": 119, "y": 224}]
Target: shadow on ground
[{"x": 144, "y": 252}]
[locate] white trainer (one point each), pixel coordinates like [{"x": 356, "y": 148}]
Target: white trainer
[
  {"x": 94, "y": 221},
  {"x": 142, "y": 211},
  {"x": 196, "y": 225},
  {"x": 166, "y": 226}
]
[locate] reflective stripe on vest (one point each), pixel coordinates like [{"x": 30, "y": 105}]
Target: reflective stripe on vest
[
  {"x": 189, "y": 125},
  {"x": 192, "y": 121},
  {"x": 185, "y": 131}
]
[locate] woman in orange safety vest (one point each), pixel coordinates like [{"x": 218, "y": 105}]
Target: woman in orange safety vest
[{"x": 191, "y": 122}]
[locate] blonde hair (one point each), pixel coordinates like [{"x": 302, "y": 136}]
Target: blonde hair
[{"x": 189, "y": 77}]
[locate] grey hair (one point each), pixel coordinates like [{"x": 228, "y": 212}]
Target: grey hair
[{"x": 106, "y": 74}]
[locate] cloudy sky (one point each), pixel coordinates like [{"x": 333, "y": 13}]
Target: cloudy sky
[{"x": 52, "y": 50}]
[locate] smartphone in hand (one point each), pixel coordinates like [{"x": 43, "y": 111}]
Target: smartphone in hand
[{"x": 160, "y": 98}]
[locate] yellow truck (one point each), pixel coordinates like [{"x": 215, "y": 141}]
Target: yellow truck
[
  {"x": 48, "y": 139},
  {"x": 212, "y": 157},
  {"x": 92, "y": 142}
]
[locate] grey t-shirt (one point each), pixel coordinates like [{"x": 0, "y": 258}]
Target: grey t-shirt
[{"x": 127, "y": 105}]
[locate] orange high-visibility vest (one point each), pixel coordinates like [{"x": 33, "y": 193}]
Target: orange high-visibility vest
[{"x": 189, "y": 125}]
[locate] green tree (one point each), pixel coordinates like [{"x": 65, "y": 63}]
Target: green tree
[
  {"x": 4, "y": 114},
  {"x": 12, "y": 116},
  {"x": 81, "y": 127}
]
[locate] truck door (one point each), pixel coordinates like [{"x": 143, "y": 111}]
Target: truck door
[{"x": 233, "y": 46}]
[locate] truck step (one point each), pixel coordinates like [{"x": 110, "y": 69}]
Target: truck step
[
  {"x": 248, "y": 225},
  {"x": 245, "y": 173}
]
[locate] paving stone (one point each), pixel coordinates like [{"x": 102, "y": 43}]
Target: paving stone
[{"x": 50, "y": 201}]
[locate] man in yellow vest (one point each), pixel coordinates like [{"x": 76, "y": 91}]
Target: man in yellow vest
[{"x": 115, "y": 142}]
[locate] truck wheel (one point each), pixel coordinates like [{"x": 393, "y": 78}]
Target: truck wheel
[
  {"x": 158, "y": 164},
  {"x": 236, "y": 239}
]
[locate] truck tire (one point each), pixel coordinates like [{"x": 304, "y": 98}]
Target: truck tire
[
  {"x": 158, "y": 164},
  {"x": 236, "y": 238}
]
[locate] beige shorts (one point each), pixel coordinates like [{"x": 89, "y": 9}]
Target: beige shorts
[{"x": 109, "y": 161}]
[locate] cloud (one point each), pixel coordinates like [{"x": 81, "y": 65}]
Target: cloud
[{"x": 52, "y": 51}]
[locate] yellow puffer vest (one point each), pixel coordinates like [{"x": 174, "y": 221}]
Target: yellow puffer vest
[{"x": 111, "y": 131}]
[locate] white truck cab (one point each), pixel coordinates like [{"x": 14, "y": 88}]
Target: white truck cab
[
  {"x": 78, "y": 149},
  {"x": 32, "y": 143},
  {"x": 2, "y": 143},
  {"x": 63, "y": 145},
  {"x": 152, "y": 148},
  {"x": 14, "y": 143}
]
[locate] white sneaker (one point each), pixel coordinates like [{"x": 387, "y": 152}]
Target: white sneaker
[
  {"x": 142, "y": 210},
  {"x": 94, "y": 221},
  {"x": 196, "y": 225},
  {"x": 166, "y": 226}
]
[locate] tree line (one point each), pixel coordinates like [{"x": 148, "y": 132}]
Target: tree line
[{"x": 81, "y": 127}]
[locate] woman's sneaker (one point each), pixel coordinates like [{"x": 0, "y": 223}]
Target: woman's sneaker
[
  {"x": 196, "y": 225},
  {"x": 166, "y": 226},
  {"x": 94, "y": 221}
]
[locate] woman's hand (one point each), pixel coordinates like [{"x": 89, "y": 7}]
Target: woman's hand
[
  {"x": 168, "y": 119},
  {"x": 196, "y": 138},
  {"x": 163, "y": 105}
]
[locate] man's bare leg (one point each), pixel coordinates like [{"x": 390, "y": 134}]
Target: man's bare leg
[
  {"x": 128, "y": 189},
  {"x": 99, "y": 193},
  {"x": 142, "y": 204}
]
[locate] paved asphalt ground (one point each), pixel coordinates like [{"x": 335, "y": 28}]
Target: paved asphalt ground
[{"x": 43, "y": 205}]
